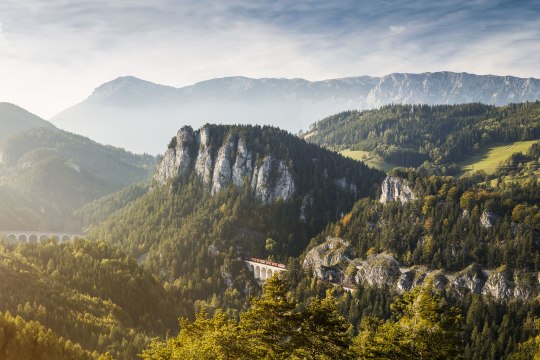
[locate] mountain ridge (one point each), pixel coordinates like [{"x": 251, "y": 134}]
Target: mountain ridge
[
  {"x": 14, "y": 118},
  {"x": 138, "y": 115}
]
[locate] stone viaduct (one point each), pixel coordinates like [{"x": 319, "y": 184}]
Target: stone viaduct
[
  {"x": 33, "y": 237},
  {"x": 263, "y": 269}
]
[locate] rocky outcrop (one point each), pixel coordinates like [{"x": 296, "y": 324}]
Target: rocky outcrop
[
  {"x": 470, "y": 279},
  {"x": 333, "y": 261},
  {"x": 499, "y": 285},
  {"x": 218, "y": 167},
  {"x": 204, "y": 163},
  {"x": 177, "y": 160},
  {"x": 411, "y": 277},
  {"x": 328, "y": 260},
  {"x": 488, "y": 219},
  {"x": 378, "y": 271},
  {"x": 267, "y": 189},
  {"x": 396, "y": 189},
  {"x": 222, "y": 174}
]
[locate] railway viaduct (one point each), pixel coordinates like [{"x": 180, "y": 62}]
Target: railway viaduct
[{"x": 33, "y": 237}]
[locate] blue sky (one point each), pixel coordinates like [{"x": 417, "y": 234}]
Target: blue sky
[{"x": 53, "y": 53}]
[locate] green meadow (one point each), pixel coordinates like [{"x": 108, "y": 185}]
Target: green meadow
[
  {"x": 489, "y": 159},
  {"x": 369, "y": 159}
]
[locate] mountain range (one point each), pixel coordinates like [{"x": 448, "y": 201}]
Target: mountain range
[{"x": 139, "y": 115}]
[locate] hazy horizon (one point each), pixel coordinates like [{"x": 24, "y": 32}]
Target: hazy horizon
[{"x": 54, "y": 54}]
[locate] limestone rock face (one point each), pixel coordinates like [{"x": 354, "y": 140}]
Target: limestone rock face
[
  {"x": 396, "y": 189},
  {"x": 282, "y": 187},
  {"x": 471, "y": 279},
  {"x": 204, "y": 163},
  {"x": 498, "y": 285},
  {"x": 488, "y": 219},
  {"x": 378, "y": 271},
  {"x": 177, "y": 160},
  {"x": 410, "y": 278},
  {"x": 222, "y": 170},
  {"x": 243, "y": 165},
  {"x": 232, "y": 163},
  {"x": 328, "y": 260},
  {"x": 307, "y": 203},
  {"x": 333, "y": 261}
]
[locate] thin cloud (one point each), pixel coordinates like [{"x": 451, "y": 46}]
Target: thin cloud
[{"x": 61, "y": 50}]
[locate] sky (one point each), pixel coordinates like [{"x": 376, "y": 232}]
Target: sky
[{"x": 54, "y": 53}]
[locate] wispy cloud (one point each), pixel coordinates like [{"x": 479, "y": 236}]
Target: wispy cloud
[{"x": 60, "y": 50}]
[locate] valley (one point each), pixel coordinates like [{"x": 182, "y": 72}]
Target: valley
[
  {"x": 269, "y": 180},
  {"x": 200, "y": 231}
]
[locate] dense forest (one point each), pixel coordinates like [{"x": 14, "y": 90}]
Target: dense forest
[
  {"x": 409, "y": 135},
  {"x": 89, "y": 293},
  {"x": 444, "y": 228},
  {"x": 421, "y": 324},
  {"x": 20, "y": 339}
]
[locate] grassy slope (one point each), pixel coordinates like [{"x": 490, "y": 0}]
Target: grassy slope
[
  {"x": 489, "y": 159},
  {"x": 367, "y": 158}
]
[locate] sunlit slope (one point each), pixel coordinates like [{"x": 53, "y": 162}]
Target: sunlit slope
[
  {"x": 490, "y": 158},
  {"x": 429, "y": 136},
  {"x": 46, "y": 174},
  {"x": 369, "y": 159},
  {"x": 87, "y": 292}
]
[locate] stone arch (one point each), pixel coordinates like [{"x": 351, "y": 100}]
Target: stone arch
[
  {"x": 257, "y": 272},
  {"x": 12, "y": 238},
  {"x": 65, "y": 238},
  {"x": 32, "y": 239},
  {"x": 43, "y": 237},
  {"x": 263, "y": 273},
  {"x": 269, "y": 274},
  {"x": 22, "y": 238}
]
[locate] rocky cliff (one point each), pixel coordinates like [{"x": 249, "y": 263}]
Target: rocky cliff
[
  {"x": 396, "y": 189},
  {"x": 222, "y": 164},
  {"x": 333, "y": 261}
]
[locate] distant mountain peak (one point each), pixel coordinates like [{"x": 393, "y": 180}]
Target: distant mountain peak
[
  {"x": 144, "y": 113},
  {"x": 123, "y": 83}
]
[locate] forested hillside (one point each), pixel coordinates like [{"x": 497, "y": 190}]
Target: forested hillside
[
  {"x": 193, "y": 236},
  {"x": 89, "y": 293},
  {"x": 409, "y": 135},
  {"x": 46, "y": 174},
  {"x": 478, "y": 243},
  {"x": 102, "y": 208},
  {"x": 31, "y": 340}
]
